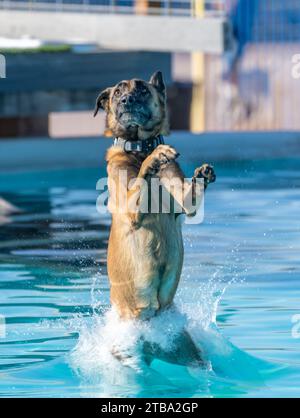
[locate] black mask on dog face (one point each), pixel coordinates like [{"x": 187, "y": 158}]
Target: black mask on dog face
[{"x": 135, "y": 109}]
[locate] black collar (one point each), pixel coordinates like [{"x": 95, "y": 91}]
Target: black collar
[{"x": 144, "y": 146}]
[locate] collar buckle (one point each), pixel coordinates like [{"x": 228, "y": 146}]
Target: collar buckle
[
  {"x": 139, "y": 146},
  {"x": 133, "y": 146}
]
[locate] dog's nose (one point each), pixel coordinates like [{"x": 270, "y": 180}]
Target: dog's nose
[{"x": 127, "y": 99}]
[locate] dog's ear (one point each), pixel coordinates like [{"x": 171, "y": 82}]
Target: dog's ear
[
  {"x": 158, "y": 82},
  {"x": 102, "y": 100}
]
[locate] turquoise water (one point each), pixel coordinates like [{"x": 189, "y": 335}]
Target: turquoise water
[{"x": 238, "y": 295}]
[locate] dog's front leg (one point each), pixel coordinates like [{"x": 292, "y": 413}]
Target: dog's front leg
[
  {"x": 138, "y": 193},
  {"x": 187, "y": 194}
]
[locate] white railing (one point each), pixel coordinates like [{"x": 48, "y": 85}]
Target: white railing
[{"x": 215, "y": 8}]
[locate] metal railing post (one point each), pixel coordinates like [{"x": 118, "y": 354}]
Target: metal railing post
[{"x": 197, "y": 114}]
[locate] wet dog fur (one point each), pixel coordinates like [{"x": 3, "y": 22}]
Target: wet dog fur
[{"x": 145, "y": 251}]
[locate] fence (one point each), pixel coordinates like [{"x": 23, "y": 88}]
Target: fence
[
  {"x": 253, "y": 87},
  {"x": 156, "y": 7}
]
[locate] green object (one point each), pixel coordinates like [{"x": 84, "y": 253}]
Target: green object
[{"x": 41, "y": 49}]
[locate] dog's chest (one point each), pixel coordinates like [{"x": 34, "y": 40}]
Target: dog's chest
[{"x": 159, "y": 238}]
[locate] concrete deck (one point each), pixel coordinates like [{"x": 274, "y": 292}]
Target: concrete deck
[{"x": 47, "y": 154}]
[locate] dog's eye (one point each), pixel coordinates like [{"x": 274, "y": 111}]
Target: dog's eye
[
  {"x": 118, "y": 92},
  {"x": 144, "y": 91}
]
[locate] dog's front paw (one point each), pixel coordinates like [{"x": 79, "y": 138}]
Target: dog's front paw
[
  {"x": 207, "y": 173},
  {"x": 160, "y": 157}
]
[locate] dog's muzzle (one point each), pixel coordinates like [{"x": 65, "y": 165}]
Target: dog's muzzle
[{"x": 129, "y": 115}]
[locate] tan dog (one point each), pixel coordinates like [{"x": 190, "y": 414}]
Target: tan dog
[{"x": 145, "y": 252}]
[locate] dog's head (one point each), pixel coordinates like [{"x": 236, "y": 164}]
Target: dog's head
[{"x": 135, "y": 109}]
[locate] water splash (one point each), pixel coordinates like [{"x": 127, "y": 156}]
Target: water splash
[{"x": 110, "y": 353}]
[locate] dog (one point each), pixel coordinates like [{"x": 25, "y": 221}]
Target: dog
[{"x": 145, "y": 250}]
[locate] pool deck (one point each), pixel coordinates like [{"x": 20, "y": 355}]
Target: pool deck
[{"x": 45, "y": 153}]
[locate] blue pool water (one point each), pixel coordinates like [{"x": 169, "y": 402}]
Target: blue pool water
[{"x": 239, "y": 293}]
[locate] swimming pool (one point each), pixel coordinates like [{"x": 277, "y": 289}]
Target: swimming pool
[{"x": 238, "y": 297}]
